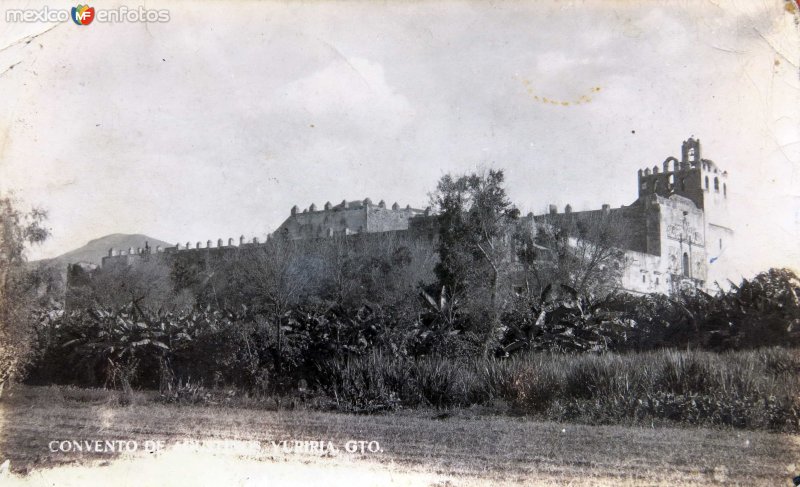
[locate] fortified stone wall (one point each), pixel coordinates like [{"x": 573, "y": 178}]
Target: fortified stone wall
[
  {"x": 675, "y": 232},
  {"x": 638, "y": 223}
]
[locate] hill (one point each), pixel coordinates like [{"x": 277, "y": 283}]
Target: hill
[{"x": 96, "y": 249}]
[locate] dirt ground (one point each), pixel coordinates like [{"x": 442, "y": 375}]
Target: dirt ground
[{"x": 41, "y": 430}]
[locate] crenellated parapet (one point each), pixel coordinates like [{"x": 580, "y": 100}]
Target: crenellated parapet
[
  {"x": 347, "y": 218},
  {"x": 132, "y": 254},
  {"x": 345, "y": 205}
]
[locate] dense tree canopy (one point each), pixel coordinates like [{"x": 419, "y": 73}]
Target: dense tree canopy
[
  {"x": 476, "y": 221},
  {"x": 18, "y": 285}
]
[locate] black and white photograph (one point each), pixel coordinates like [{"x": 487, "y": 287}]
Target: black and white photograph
[{"x": 445, "y": 243}]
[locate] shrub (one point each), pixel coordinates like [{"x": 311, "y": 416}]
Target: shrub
[
  {"x": 534, "y": 386},
  {"x": 494, "y": 378},
  {"x": 741, "y": 389},
  {"x": 759, "y": 312},
  {"x": 684, "y": 373},
  {"x": 561, "y": 320},
  {"x": 185, "y": 392},
  {"x": 442, "y": 382},
  {"x": 369, "y": 384}
]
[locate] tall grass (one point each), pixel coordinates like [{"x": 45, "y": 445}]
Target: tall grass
[{"x": 750, "y": 389}]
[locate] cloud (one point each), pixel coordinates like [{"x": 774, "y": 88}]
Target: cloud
[
  {"x": 214, "y": 126},
  {"x": 350, "y": 97}
]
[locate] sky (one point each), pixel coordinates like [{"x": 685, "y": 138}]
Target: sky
[{"x": 215, "y": 123}]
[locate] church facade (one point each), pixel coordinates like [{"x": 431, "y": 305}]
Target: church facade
[{"x": 683, "y": 207}]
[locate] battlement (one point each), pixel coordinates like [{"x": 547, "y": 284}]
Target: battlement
[
  {"x": 365, "y": 204},
  {"x": 131, "y": 254},
  {"x": 348, "y": 218}
]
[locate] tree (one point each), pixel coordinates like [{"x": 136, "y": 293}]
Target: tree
[
  {"x": 272, "y": 278},
  {"x": 18, "y": 230},
  {"x": 581, "y": 250},
  {"x": 147, "y": 282},
  {"x": 476, "y": 225},
  {"x": 276, "y": 274},
  {"x": 373, "y": 268},
  {"x": 341, "y": 278}
]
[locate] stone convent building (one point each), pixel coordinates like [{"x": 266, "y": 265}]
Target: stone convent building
[
  {"x": 678, "y": 228},
  {"x": 347, "y": 218}
]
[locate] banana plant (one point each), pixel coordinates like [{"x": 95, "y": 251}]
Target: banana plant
[
  {"x": 561, "y": 320},
  {"x": 118, "y": 339},
  {"x": 442, "y": 313}
]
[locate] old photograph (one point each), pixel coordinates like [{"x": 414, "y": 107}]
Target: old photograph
[{"x": 427, "y": 243}]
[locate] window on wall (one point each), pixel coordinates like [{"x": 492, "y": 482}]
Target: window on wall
[
  {"x": 671, "y": 181},
  {"x": 683, "y": 184},
  {"x": 706, "y": 182},
  {"x": 643, "y": 278},
  {"x": 724, "y": 189},
  {"x": 685, "y": 264},
  {"x": 656, "y": 281},
  {"x": 644, "y": 185},
  {"x": 716, "y": 184}
]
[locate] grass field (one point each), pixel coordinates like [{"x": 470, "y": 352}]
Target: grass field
[{"x": 467, "y": 447}]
